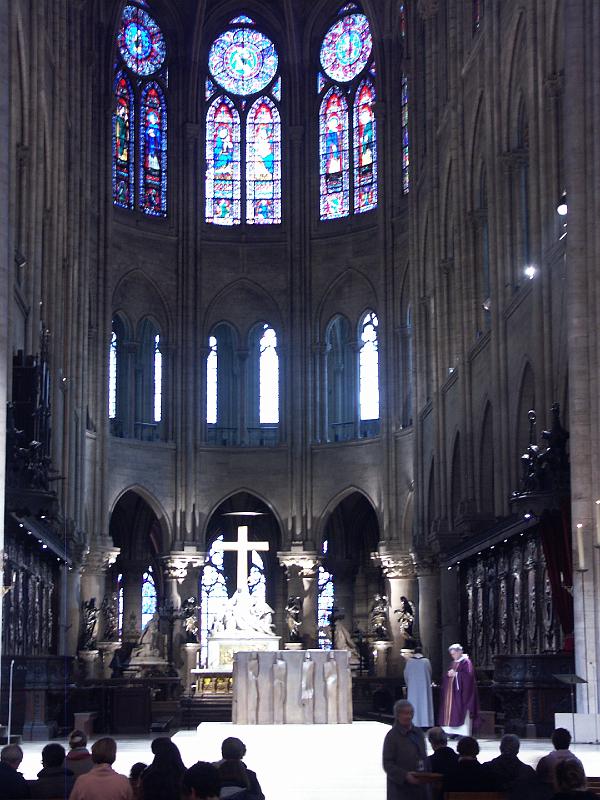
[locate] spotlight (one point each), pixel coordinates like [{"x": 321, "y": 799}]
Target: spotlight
[
  {"x": 530, "y": 272},
  {"x": 487, "y": 304},
  {"x": 562, "y": 208},
  {"x": 527, "y": 516}
]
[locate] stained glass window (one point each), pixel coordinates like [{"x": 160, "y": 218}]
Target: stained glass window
[
  {"x": 211, "y": 381},
  {"x": 347, "y": 48},
  {"x": 112, "y": 377},
  {"x": 369, "y": 368},
  {"x": 140, "y": 41},
  {"x": 405, "y": 149},
  {"x": 365, "y": 149},
  {"x": 120, "y": 604},
  {"x": 153, "y": 152},
  {"x": 257, "y": 582},
  {"x": 213, "y": 594},
  {"x": 268, "y": 378},
  {"x": 223, "y": 191},
  {"x": 243, "y": 138},
  {"x": 346, "y": 58},
  {"x": 403, "y": 22},
  {"x": 149, "y": 601},
  {"x": 157, "y": 380},
  {"x": 476, "y": 14},
  {"x": 335, "y": 173},
  {"x": 243, "y": 61},
  {"x": 325, "y": 603},
  {"x": 263, "y": 164},
  {"x": 123, "y": 142}
]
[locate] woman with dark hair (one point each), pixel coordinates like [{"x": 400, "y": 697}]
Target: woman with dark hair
[
  {"x": 571, "y": 783},
  {"x": 162, "y": 779},
  {"x": 235, "y": 781},
  {"x": 135, "y": 778}
]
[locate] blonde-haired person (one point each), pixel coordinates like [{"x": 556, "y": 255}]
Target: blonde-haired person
[{"x": 102, "y": 782}]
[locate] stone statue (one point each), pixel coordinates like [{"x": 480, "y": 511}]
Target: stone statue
[
  {"x": 253, "y": 698},
  {"x": 243, "y": 612},
  {"x": 308, "y": 689},
  {"x": 340, "y": 636},
  {"x": 121, "y": 659},
  {"x": 330, "y": 672},
  {"x": 293, "y": 618},
  {"x": 110, "y": 617},
  {"x": 152, "y": 641},
  {"x": 378, "y": 618},
  {"x": 190, "y": 620},
  {"x": 279, "y": 682},
  {"x": 89, "y": 622},
  {"x": 406, "y": 620}
]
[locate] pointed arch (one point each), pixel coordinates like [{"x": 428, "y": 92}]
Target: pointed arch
[
  {"x": 486, "y": 462},
  {"x": 153, "y": 151},
  {"x": 223, "y": 163},
  {"x": 334, "y": 155},
  {"x": 456, "y": 483},
  {"x": 365, "y": 148},
  {"x": 369, "y": 366},
  {"x": 123, "y": 139},
  {"x": 525, "y": 404},
  {"x": 263, "y": 163}
]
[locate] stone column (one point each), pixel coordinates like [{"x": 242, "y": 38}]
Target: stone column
[
  {"x": 96, "y": 561},
  {"x": 399, "y": 571},
  {"x": 427, "y": 628},
  {"x": 176, "y": 567},
  {"x": 301, "y": 570}
]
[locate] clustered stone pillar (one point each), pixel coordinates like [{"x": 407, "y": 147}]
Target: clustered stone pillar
[
  {"x": 428, "y": 627},
  {"x": 302, "y": 573},
  {"x": 96, "y": 561},
  {"x": 399, "y": 571},
  {"x": 180, "y": 568}
]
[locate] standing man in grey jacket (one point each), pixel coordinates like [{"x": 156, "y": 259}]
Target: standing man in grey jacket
[{"x": 404, "y": 755}]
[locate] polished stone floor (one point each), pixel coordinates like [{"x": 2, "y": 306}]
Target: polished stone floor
[{"x": 301, "y": 762}]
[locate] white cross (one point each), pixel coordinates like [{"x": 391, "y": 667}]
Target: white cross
[{"x": 242, "y": 547}]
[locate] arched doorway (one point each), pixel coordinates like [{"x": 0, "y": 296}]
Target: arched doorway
[
  {"x": 348, "y": 576},
  {"x": 219, "y": 576},
  {"x": 135, "y": 579}
]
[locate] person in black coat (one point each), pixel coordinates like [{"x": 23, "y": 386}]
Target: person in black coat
[
  {"x": 469, "y": 775},
  {"x": 571, "y": 782},
  {"x": 13, "y": 785},
  {"x": 443, "y": 760},
  {"x": 511, "y": 773},
  {"x": 162, "y": 780},
  {"x": 233, "y": 749},
  {"x": 54, "y": 779}
]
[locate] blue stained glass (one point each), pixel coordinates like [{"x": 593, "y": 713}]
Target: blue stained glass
[
  {"x": 243, "y": 61},
  {"x": 153, "y": 152},
  {"x": 276, "y": 90},
  {"x": 347, "y": 48},
  {"x": 334, "y": 156},
  {"x": 123, "y": 142},
  {"x": 140, "y": 41},
  {"x": 210, "y": 89},
  {"x": 263, "y": 164},
  {"x": 112, "y": 376},
  {"x": 347, "y": 8},
  {"x": 223, "y": 153},
  {"x": 242, "y": 20},
  {"x": 320, "y": 82},
  {"x": 365, "y": 149},
  {"x": 405, "y": 138},
  {"x": 213, "y": 594},
  {"x": 148, "y": 597}
]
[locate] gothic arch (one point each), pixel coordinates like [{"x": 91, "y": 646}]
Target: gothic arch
[
  {"x": 515, "y": 61},
  {"x": 140, "y": 297},
  {"x": 154, "y": 504},
  {"x": 486, "y": 460},
  {"x": 243, "y": 304},
  {"x": 456, "y": 481},
  {"x": 239, "y": 492},
  {"x": 345, "y": 295},
  {"x": 525, "y": 403},
  {"x": 478, "y": 148},
  {"x": 335, "y": 501}
]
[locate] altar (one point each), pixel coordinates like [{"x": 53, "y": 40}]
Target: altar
[{"x": 292, "y": 687}]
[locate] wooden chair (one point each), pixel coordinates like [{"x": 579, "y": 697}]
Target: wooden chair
[{"x": 594, "y": 785}]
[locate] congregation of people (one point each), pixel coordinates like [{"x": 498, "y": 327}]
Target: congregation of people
[
  {"x": 82, "y": 774},
  {"x": 410, "y": 772}
]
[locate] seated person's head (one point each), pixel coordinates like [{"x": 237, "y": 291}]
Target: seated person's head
[
  {"x": 561, "y": 739},
  {"x": 202, "y": 782},
  {"x": 569, "y": 775},
  {"x": 437, "y": 738},
  {"x": 467, "y": 747},
  {"x": 53, "y": 755},
  {"x": 233, "y": 748},
  {"x": 77, "y": 739},
  {"x": 135, "y": 773},
  {"x": 233, "y": 773},
  {"x": 104, "y": 751},
  {"x": 510, "y": 744},
  {"x": 11, "y": 755}
]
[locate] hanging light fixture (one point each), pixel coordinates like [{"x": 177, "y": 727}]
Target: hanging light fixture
[{"x": 562, "y": 208}]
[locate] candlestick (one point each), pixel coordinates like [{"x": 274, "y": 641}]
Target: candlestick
[
  {"x": 580, "y": 547},
  {"x": 597, "y": 509}
]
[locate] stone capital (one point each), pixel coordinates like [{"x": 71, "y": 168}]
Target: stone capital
[
  {"x": 99, "y": 557},
  {"x": 395, "y": 564},
  {"x": 426, "y": 562},
  {"x": 177, "y": 563},
  {"x": 306, "y": 563},
  {"x": 427, "y": 8}
]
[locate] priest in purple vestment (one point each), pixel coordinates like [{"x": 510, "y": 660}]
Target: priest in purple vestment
[{"x": 459, "y": 708}]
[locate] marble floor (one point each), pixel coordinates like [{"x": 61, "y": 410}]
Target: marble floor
[{"x": 302, "y": 762}]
